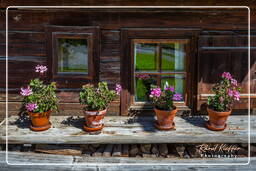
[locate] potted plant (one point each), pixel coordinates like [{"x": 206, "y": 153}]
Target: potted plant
[
  {"x": 220, "y": 105},
  {"x": 96, "y": 101},
  {"x": 39, "y": 100},
  {"x": 164, "y": 107}
]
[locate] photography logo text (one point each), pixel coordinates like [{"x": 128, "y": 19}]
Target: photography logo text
[{"x": 218, "y": 150}]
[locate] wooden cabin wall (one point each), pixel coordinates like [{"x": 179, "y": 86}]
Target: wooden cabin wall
[{"x": 221, "y": 45}]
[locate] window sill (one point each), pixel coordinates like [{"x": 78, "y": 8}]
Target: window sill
[{"x": 123, "y": 130}]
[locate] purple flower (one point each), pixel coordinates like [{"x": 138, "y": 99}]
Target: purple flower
[
  {"x": 169, "y": 88},
  {"x": 177, "y": 97},
  {"x": 226, "y": 75},
  {"x": 41, "y": 69},
  {"x": 156, "y": 92},
  {"x": 233, "y": 82},
  {"x": 26, "y": 91},
  {"x": 118, "y": 89},
  {"x": 31, "y": 106},
  {"x": 230, "y": 92},
  {"x": 236, "y": 95},
  {"x": 143, "y": 76}
]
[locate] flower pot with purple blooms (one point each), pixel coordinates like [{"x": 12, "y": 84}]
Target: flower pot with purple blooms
[
  {"x": 220, "y": 105},
  {"x": 39, "y": 100},
  {"x": 164, "y": 108},
  {"x": 96, "y": 101}
]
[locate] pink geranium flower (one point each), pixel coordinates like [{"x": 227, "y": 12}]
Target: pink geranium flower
[
  {"x": 31, "y": 106},
  {"x": 41, "y": 69},
  {"x": 177, "y": 97},
  {"x": 26, "y": 91},
  {"x": 230, "y": 93},
  {"x": 156, "y": 92},
  {"x": 233, "y": 82},
  {"x": 118, "y": 89},
  {"x": 226, "y": 75},
  {"x": 143, "y": 76},
  {"x": 169, "y": 88},
  {"x": 236, "y": 95}
]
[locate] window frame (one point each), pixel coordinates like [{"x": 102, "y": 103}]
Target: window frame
[
  {"x": 88, "y": 37},
  {"x": 184, "y": 73},
  {"x": 73, "y": 79},
  {"x": 127, "y": 63}
]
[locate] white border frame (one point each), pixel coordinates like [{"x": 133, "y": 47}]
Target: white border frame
[{"x": 126, "y": 7}]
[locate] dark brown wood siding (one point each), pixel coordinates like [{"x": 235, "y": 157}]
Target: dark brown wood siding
[{"x": 221, "y": 44}]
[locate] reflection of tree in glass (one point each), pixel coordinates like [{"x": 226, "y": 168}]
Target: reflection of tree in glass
[
  {"x": 144, "y": 84},
  {"x": 145, "y": 54},
  {"x": 74, "y": 55}
]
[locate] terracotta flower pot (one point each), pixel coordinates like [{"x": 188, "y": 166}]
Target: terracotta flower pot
[
  {"x": 165, "y": 119},
  {"x": 94, "y": 120},
  {"x": 217, "y": 120},
  {"x": 40, "y": 121}
]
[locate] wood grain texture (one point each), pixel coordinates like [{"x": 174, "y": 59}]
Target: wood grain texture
[
  {"x": 61, "y": 150},
  {"x": 219, "y": 44},
  {"x": 235, "y": 19},
  {"x": 81, "y": 163},
  {"x": 7, "y": 3},
  {"x": 225, "y": 52},
  {"x": 127, "y": 130}
]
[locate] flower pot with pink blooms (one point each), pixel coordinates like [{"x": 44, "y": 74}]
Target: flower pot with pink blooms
[
  {"x": 39, "y": 100},
  {"x": 96, "y": 101},
  {"x": 164, "y": 108},
  {"x": 220, "y": 105}
]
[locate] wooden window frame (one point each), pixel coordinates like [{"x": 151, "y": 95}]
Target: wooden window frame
[
  {"x": 127, "y": 61},
  {"x": 73, "y": 79},
  {"x": 159, "y": 72}
]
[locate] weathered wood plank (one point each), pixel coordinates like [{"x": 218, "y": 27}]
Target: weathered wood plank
[
  {"x": 125, "y": 150},
  {"x": 99, "y": 151},
  {"x": 133, "y": 150},
  {"x": 110, "y": 36},
  {"x": 163, "y": 149},
  {"x": 234, "y": 19},
  {"x": 108, "y": 150},
  {"x": 8, "y": 3},
  {"x": 83, "y": 163},
  {"x": 123, "y": 130},
  {"x": 117, "y": 151},
  {"x": 61, "y": 150},
  {"x": 2, "y": 122}
]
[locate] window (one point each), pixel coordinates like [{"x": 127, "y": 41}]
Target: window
[
  {"x": 73, "y": 55},
  {"x": 158, "y": 62},
  {"x": 167, "y": 55}
]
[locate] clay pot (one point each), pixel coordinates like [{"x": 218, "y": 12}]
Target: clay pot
[
  {"x": 94, "y": 120},
  {"x": 217, "y": 120},
  {"x": 40, "y": 121},
  {"x": 165, "y": 119}
]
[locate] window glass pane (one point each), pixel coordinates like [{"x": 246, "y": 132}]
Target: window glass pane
[
  {"x": 72, "y": 55},
  {"x": 177, "y": 80},
  {"x": 142, "y": 87},
  {"x": 145, "y": 56},
  {"x": 173, "y": 55}
]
